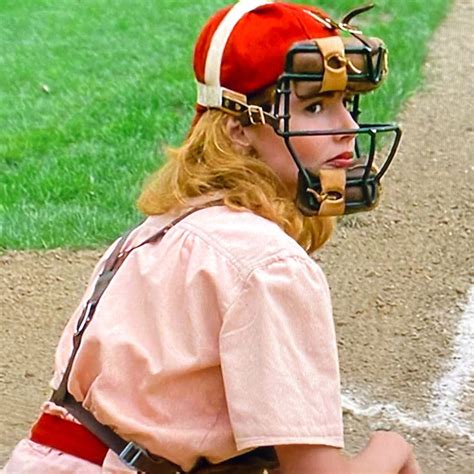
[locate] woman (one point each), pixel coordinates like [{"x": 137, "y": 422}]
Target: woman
[{"x": 207, "y": 344}]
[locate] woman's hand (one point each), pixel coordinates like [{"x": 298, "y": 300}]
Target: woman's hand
[
  {"x": 386, "y": 452},
  {"x": 412, "y": 466}
]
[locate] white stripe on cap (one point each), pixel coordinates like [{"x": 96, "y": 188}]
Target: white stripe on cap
[{"x": 210, "y": 93}]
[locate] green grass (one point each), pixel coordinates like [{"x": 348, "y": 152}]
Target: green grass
[{"x": 91, "y": 90}]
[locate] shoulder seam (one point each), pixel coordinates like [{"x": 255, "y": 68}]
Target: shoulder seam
[{"x": 215, "y": 244}]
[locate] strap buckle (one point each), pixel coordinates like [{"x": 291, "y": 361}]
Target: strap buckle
[
  {"x": 256, "y": 115},
  {"x": 131, "y": 454}
]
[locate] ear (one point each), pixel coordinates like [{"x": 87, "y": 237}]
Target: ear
[{"x": 237, "y": 134}]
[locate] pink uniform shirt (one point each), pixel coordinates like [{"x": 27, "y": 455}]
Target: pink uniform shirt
[{"x": 217, "y": 339}]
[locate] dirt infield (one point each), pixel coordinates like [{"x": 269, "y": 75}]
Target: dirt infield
[{"x": 400, "y": 278}]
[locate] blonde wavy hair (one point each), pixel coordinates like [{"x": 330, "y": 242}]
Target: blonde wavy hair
[{"x": 207, "y": 163}]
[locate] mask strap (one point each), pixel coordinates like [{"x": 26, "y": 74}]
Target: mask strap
[
  {"x": 331, "y": 197},
  {"x": 335, "y": 62}
]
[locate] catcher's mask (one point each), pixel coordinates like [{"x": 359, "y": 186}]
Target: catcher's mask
[{"x": 354, "y": 65}]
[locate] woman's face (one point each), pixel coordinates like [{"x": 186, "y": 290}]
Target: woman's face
[{"x": 324, "y": 112}]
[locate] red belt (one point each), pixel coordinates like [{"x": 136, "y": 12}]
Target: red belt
[{"x": 68, "y": 437}]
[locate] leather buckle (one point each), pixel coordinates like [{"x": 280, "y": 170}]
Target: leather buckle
[
  {"x": 256, "y": 115},
  {"x": 130, "y": 454}
]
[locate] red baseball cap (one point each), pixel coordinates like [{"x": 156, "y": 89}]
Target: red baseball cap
[{"x": 243, "y": 46}]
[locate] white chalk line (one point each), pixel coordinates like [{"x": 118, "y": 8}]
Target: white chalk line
[
  {"x": 452, "y": 387},
  {"x": 448, "y": 391}
]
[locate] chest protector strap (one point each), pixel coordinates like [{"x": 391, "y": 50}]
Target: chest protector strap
[{"x": 131, "y": 454}]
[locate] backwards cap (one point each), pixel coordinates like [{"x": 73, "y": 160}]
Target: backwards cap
[{"x": 242, "y": 48}]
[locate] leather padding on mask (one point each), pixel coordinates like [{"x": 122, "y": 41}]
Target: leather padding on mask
[{"x": 355, "y": 64}]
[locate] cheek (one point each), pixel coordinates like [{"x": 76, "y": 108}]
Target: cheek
[
  {"x": 280, "y": 160},
  {"x": 272, "y": 150},
  {"x": 270, "y": 147},
  {"x": 310, "y": 151}
]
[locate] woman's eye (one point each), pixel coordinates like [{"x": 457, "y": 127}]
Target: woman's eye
[{"x": 315, "y": 108}]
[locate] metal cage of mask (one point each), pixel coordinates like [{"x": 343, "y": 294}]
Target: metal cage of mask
[{"x": 363, "y": 180}]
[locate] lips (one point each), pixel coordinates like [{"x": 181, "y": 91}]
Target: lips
[{"x": 344, "y": 160}]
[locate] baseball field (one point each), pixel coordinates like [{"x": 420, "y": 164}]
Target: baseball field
[{"x": 401, "y": 277}]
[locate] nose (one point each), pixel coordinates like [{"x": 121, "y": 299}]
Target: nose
[{"x": 347, "y": 122}]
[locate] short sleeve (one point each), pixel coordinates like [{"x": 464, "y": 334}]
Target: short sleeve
[{"x": 279, "y": 358}]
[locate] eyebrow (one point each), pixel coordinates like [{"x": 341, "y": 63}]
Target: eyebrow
[{"x": 329, "y": 94}]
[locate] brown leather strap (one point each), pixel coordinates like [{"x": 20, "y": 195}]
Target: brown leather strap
[
  {"x": 354, "y": 12},
  {"x": 335, "y": 72},
  {"x": 129, "y": 453},
  {"x": 331, "y": 197},
  {"x": 248, "y": 114},
  {"x": 135, "y": 457},
  {"x": 85, "y": 318},
  {"x": 333, "y": 185},
  {"x": 255, "y": 115}
]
